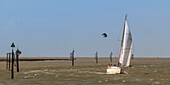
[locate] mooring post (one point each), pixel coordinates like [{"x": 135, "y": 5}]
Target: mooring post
[
  {"x": 96, "y": 56},
  {"x": 111, "y": 57},
  {"x": 17, "y": 55},
  {"x": 6, "y": 61},
  {"x": 9, "y": 63},
  {"x": 18, "y": 52},
  {"x": 12, "y": 71},
  {"x": 73, "y": 58}
]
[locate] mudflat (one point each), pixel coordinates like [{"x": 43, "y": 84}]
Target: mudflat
[{"x": 144, "y": 71}]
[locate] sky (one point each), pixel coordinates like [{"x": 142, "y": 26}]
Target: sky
[{"x": 53, "y": 28}]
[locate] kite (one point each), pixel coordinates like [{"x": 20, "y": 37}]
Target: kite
[{"x": 104, "y": 35}]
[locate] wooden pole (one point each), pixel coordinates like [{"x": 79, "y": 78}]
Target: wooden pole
[
  {"x": 111, "y": 57},
  {"x": 17, "y": 59},
  {"x": 73, "y": 58},
  {"x": 96, "y": 56},
  {"x": 18, "y": 52},
  {"x": 12, "y": 71},
  {"x": 9, "y": 63},
  {"x": 6, "y": 61}
]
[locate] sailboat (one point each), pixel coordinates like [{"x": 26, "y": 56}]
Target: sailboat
[{"x": 125, "y": 52}]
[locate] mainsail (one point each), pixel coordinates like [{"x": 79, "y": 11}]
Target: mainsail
[
  {"x": 125, "y": 52},
  {"x": 126, "y": 46}
]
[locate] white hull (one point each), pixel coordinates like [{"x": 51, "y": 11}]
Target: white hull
[{"x": 113, "y": 70}]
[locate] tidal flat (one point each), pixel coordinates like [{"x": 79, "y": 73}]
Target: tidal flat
[{"x": 144, "y": 71}]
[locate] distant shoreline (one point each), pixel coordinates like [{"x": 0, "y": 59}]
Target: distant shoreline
[
  {"x": 37, "y": 59},
  {"x": 67, "y": 58}
]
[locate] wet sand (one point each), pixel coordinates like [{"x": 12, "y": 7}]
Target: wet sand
[{"x": 145, "y": 71}]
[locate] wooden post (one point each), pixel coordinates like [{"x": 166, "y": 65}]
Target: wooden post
[
  {"x": 111, "y": 57},
  {"x": 12, "y": 71},
  {"x": 73, "y": 58},
  {"x": 17, "y": 59},
  {"x": 6, "y": 61},
  {"x": 9, "y": 63},
  {"x": 96, "y": 56},
  {"x": 18, "y": 52}
]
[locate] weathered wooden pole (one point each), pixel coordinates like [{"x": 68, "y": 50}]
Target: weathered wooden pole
[
  {"x": 6, "y": 61},
  {"x": 12, "y": 71},
  {"x": 18, "y": 52},
  {"x": 17, "y": 55},
  {"x": 96, "y": 56},
  {"x": 9, "y": 63},
  {"x": 111, "y": 57},
  {"x": 73, "y": 58}
]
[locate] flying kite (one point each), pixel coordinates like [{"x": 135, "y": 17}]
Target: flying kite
[{"x": 104, "y": 35}]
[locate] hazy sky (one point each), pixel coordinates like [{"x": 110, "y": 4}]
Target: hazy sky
[{"x": 56, "y": 27}]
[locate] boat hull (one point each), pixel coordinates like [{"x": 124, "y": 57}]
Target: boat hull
[{"x": 113, "y": 70}]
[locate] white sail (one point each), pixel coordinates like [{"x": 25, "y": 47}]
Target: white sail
[
  {"x": 126, "y": 46},
  {"x": 129, "y": 57},
  {"x": 125, "y": 52}
]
